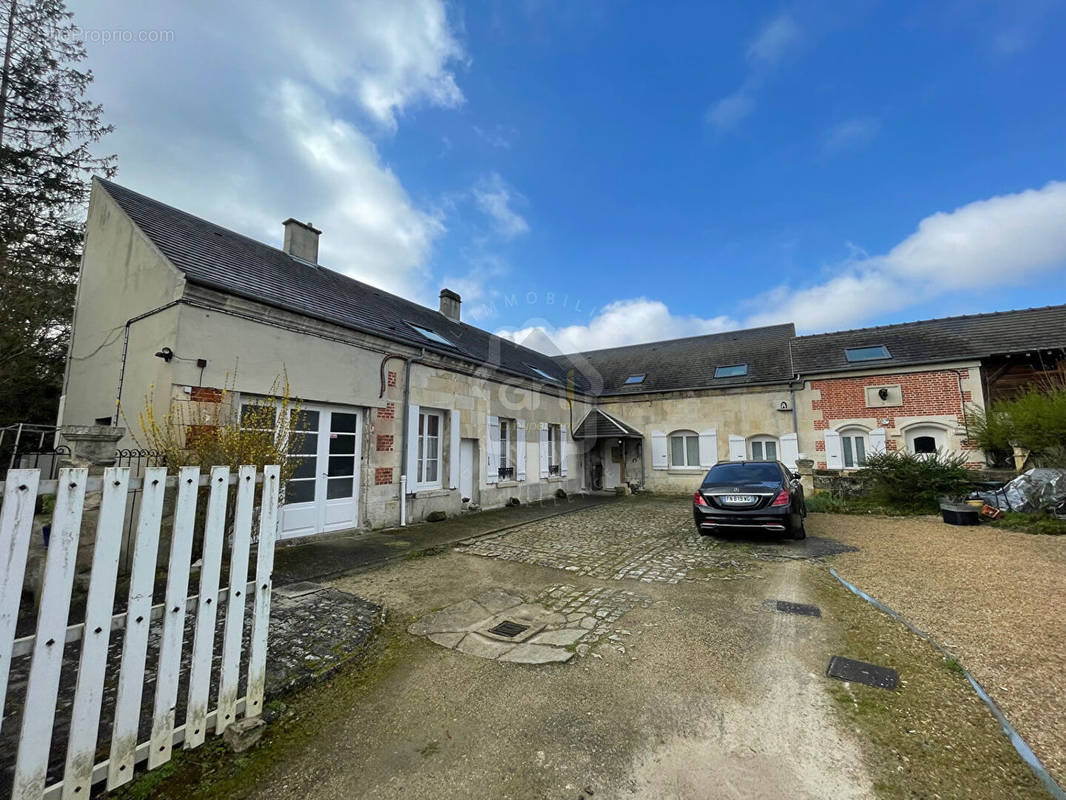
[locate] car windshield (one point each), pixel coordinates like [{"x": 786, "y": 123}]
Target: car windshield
[{"x": 741, "y": 472}]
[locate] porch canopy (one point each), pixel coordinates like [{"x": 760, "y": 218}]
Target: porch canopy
[{"x": 601, "y": 425}]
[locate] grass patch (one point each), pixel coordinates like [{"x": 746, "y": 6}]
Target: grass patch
[
  {"x": 212, "y": 772},
  {"x": 826, "y": 503},
  {"x": 1044, "y": 524},
  {"x": 932, "y": 737}
]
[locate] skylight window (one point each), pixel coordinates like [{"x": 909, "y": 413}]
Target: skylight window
[
  {"x": 543, "y": 374},
  {"x": 431, "y": 335},
  {"x": 866, "y": 353},
  {"x": 731, "y": 371},
  {"x": 633, "y": 380}
]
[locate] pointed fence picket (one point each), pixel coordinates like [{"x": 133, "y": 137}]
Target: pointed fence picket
[{"x": 45, "y": 647}]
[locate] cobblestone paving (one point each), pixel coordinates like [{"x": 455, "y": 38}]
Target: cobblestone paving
[
  {"x": 643, "y": 540},
  {"x": 596, "y": 609}
]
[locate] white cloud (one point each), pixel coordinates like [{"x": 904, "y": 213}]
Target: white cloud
[
  {"x": 731, "y": 109},
  {"x": 494, "y": 197},
  {"x": 619, "y": 323},
  {"x": 247, "y": 135},
  {"x": 1003, "y": 240},
  {"x": 383, "y": 53},
  {"x": 776, "y": 38},
  {"x": 850, "y": 134}
]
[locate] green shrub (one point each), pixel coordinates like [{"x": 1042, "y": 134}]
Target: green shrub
[
  {"x": 1035, "y": 420},
  {"x": 915, "y": 481}
]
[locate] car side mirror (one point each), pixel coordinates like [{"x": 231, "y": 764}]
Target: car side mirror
[{"x": 796, "y": 476}]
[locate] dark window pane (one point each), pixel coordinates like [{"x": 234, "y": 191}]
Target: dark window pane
[
  {"x": 338, "y": 488},
  {"x": 756, "y": 451},
  {"x": 303, "y": 443},
  {"x": 341, "y": 465},
  {"x": 300, "y": 491},
  {"x": 303, "y": 420},
  {"x": 677, "y": 451},
  {"x": 306, "y": 468},
  {"x": 431, "y": 471},
  {"x": 432, "y": 424},
  {"x": 341, "y": 444},
  {"x": 860, "y": 451},
  {"x": 849, "y": 458},
  {"x": 258, "y": 416},
  {"x": 738, "y": 472},
  {"x": 342, "y": 423},
  {"x": 692, "y": 447},
  {"x": 924, "y": 444}
]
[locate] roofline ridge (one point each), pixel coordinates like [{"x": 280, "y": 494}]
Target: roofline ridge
[
  {"x": 106, "y": 183},
  {"x": 680, "y": 339},
  {"x": 999, "y": 313}
]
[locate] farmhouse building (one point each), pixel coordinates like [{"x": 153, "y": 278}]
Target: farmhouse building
[{"x": 410, "y": 410}]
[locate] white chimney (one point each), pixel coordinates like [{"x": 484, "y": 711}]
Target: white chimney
[
  {"x": 449, "y": 304},
  {"x": 301, "y": 240}
]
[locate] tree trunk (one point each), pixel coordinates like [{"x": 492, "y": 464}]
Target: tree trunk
[{"x": 7, "y": 68}]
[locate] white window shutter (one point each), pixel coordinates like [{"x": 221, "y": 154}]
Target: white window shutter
[
  {"x": 564, "y": 448},
  {"x": 737, "y": 450},
  {"x": 412, "y": 447},
  {"x": 520, "y": 447},
  {"x": 877, "y": 440},
  {"x": 709, "y": 448},
  {"x": 492, "y": 450},
  {"x": 790, "y": 449},
  {"x": 658, "y": 450},
  {"x": 544, "y": 450},
  {"x": 453, "y": 449},
  {"x": 834, "y": 456}
]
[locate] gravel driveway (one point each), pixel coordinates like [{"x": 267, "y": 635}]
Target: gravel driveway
[
  {"x": 996, "y": 598},
  {"x": 690, "y": 683}
]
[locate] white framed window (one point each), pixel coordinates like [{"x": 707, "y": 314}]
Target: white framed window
[
  {"x": 508, "y": 450},
  {"x": 554, "y": 449},
  {"x": 430, "y": 430},
  {"x": 926, "y": 439},
  {"x": 854, "y": 445},
  {"x": 762, "y": 448},
  {"x": 684, "y": 449}
]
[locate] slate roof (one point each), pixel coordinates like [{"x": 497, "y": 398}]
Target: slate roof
[
  {"x": 936, "y": 340},
  {"x": 601, "y": 425},
  {"x": 690, "y": 363},
  {"x": 221, "y": 259}
]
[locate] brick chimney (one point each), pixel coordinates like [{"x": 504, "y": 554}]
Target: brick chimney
[
  {"x": 301, "y": 240},
  {"x": 449, "y": 304}
]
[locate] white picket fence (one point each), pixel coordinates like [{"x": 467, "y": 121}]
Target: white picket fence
[{"x": 20, "y": 491}]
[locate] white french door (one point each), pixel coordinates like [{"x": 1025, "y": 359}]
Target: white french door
[{"x": 323, "y": 493}]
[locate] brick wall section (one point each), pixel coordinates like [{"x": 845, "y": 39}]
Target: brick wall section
[
  {"x": 383, "y": 476},
  {"x": 924, "y": 394},
  {"x": 205, "y": 394},
  {"x": 384, "y": 443},
  {"x": 392, "y": 378},
  {"x": 389, "y": 412}
]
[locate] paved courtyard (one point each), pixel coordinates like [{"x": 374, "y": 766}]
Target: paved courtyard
[{"x": 647, "y": 663}]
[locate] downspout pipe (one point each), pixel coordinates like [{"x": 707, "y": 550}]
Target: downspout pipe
[
  {"x": 404, "y": 477},
  {"x": 125, "y": 350}
]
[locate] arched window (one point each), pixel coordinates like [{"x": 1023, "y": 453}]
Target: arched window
[
  {"x": 762, "y": 448},
  {"x": 684, "y": 449},
  {"x": 926, "y": 439},
  {"x": 854, "y": 445}
]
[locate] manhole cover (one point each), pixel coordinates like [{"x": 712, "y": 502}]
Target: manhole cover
[
  {"x": 798, "y": 608},
  {"x": 846, "y": 669},
  {"x": 298, "y": 589},
  {"x": 508, "y": 629}
]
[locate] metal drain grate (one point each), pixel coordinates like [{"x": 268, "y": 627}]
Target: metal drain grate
[
  {"x": 846, "y": 669},
  {"x": 798, "y": 608},
  {"x": 508, "y": 628}
]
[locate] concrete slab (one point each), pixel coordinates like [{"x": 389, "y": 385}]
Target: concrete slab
[
  {"x": 497, "y": 600},
  {"x": 536, "y": 654},
  {"x": 449, "y": 640},
  {"x": 475, "y": 644},
  {"x": 559, "y": 638},
  {"x": 459, "y": 617}
]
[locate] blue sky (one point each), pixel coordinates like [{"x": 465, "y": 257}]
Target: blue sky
[{"x": 614, "y": 172}]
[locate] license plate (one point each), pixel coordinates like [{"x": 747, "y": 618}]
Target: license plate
[{"x": 738, "y": 499}]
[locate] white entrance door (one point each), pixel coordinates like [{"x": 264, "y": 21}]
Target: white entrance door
[
  {"x": 323, "y": 493},
  {"x": 466, "y": 469}
]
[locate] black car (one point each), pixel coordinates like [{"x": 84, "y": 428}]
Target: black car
[{"x": 750, "y": 494}]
